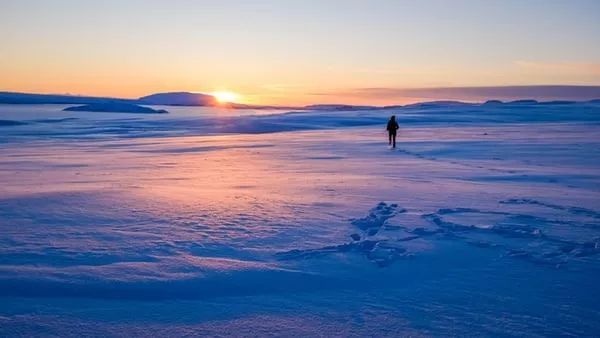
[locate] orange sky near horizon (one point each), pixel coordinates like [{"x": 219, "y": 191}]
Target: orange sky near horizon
[
  {"x": 299, "y": 89},
  {"x": 293, "y": 52}
]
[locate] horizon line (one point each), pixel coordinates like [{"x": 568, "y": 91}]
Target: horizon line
[{"x": 467, "y": 94}]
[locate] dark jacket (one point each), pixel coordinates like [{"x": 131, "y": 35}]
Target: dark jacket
[{"x": 392, "y": 126}]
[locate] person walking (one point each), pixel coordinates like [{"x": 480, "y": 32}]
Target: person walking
[{"x": 392, "y": 128}]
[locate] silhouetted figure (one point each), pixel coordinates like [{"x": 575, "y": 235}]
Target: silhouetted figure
[{"x": 392, "y": 127}]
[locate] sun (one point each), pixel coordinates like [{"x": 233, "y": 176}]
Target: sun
[{"x": 225, "y": 97}]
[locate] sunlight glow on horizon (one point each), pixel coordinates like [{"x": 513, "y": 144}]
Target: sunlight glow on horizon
[{"x": 226, "y": 96}]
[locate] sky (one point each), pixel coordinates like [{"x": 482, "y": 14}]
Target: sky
[{"x": 295, "y": 51}]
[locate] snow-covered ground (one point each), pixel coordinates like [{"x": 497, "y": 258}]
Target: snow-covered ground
[{"x": 485, "y": 221}]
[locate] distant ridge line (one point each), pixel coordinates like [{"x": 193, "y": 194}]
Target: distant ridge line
[{"x": 206, "y": 100}]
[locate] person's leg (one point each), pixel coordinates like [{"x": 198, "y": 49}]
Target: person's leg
[
  {"x": 390, "y": 138},
  {"x": 394, "y": 140}
]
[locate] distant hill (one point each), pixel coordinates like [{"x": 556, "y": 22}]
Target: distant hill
[
  {"x": 169, "y": 99},
  {"x": 116, "y": 107},
  {"x": 179, "y": 99},
  {"x": 488, "y": 102},
  {"x": 25, "y": 98}
]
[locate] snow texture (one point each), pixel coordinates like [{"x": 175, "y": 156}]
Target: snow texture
[{"x": 485, "y": 221}]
